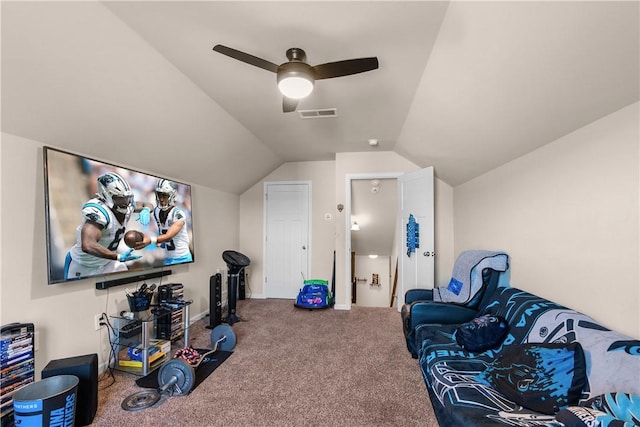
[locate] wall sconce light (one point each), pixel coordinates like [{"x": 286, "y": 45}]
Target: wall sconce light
[{"x": 355, "y": 226}]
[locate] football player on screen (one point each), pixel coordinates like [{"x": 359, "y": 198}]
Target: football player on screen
[
  {"x": 172, "y": 237},
  {"x": 104, "y": 219}
]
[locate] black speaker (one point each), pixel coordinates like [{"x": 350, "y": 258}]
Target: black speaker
[
  {"x": 163, "y": 324},
  {"x": 241, "y": 291},
  {"x": 215, "y": 301},
  {"x": 86, "y": 369}
]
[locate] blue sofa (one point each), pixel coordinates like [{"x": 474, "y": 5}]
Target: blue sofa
[{"x": 461, "y": 395}]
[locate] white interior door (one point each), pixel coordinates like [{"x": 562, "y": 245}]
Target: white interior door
[
  {"x": 415, "y": 269},
  {"x": 287, "y": 238}
]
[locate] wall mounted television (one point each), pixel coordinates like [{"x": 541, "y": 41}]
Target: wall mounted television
[{"x": 90, "y": 205}]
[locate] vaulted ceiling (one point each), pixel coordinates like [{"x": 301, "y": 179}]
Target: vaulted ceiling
[{"x": 462, "y": 86}]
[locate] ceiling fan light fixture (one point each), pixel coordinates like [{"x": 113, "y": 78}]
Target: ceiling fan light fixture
[
  {"x": 295, "y": 80},
  {"x": 295, "y": 86}
]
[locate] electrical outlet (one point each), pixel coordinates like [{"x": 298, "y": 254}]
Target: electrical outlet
[{"x": 97, "y": 320}]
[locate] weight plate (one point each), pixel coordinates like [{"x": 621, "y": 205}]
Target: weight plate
[
  {"x": 183, "y": 373},
  {"x": 224, "y": 332},
  {"x": 140, "y": 400}
]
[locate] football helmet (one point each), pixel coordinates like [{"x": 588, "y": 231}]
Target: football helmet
[
  {"x": 115, "y": 192},
  {"x": 168, "y": 188}
]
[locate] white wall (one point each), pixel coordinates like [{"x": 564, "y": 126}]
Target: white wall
[
  {"x": 63, "y": 314},
  {"x": 328, "y": 180},
  {"x": 368, "y": 294},
  {"x": 321, "y": 175},
  {"x": 443, "y": 233},
  {"x": 568, "y": 215}
]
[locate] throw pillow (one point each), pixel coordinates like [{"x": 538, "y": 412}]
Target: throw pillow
[
  {"x": 543, "y": 377},
  {"x": 482, "y": 333}
]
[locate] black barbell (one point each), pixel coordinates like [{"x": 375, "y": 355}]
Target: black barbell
[{"x": 177, "y": 376}]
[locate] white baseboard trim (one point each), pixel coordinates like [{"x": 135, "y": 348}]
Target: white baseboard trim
[
  {"x": 342, "y": 307},
  {"x": 102, "y": 368},
  {"x": 197, "y": 317},
  {"x": 258, "y": 296}
]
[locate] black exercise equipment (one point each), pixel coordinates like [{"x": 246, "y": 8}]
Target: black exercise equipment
[
  {"x": 236, "y": 262},
  {"x": 177, "y": 376}
]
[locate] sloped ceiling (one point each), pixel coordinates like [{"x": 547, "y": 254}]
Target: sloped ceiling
[{"x": 462, "y": 86}]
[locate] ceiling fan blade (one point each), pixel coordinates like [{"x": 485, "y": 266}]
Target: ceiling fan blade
[
  {"x": 289, "y": 104},
  {"x": 245, "y": 57},
  {"x": 345, "y": 68}
]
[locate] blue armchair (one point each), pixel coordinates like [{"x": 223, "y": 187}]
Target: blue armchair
[{"x": 475, "y": 277}]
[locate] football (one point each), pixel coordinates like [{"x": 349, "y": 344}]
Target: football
[{"x": 132, "y": 237}]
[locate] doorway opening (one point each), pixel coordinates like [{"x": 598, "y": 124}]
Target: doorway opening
[{"x": 371, "y": 238}]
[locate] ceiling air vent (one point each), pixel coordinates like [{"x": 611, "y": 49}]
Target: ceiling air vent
[{"x": 318, "y": 114}]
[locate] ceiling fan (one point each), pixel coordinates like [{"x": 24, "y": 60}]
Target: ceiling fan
[{"x": 296, "y": 77}]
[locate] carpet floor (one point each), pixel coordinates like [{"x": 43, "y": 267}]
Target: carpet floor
[{"x": 292, "y": 367}]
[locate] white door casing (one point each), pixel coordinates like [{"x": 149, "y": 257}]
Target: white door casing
[
  {"x": 415, "y": 193},
  {"x": 287, "y": 238},
  {"x": 347, "y": 225}
]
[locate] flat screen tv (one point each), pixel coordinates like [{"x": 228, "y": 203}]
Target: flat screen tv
[{"x": 90, "y": 207}]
